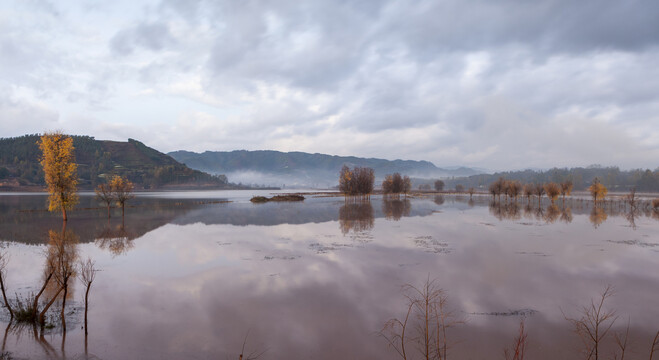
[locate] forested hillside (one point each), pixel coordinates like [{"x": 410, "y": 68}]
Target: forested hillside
[{"x": 97, "y": 161}]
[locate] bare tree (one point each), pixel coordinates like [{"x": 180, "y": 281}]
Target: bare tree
[
  {"x": 621, "y": 343},
  {"x": 519, "y": 345},
  {"x": 594, "y": 324},
  {"x": 528, "y": 192},
  {"x": 631, "y": 199},
  {"x": 105, "y": 195},
  {"x": 655, "y": 345},
  {"x": 426, "y": 323},
  {"x": 87, "y": 274},
  {"x": 471, "y": 192},
  {"x": 4, "y": 260}
]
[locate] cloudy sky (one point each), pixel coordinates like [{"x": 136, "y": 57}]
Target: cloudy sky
[{"x": 504, "y": 84}]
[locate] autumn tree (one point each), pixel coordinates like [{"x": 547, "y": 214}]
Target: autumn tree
[
  {"x": 539, "y": 190},
  {"x": 358, "y": 181},
  {"x": 122, "y": 190},
  {"x": 105, "y": 195},
  {"x": 459, "y": 188},
  {"x": 566, "y": 189},
  {"x": 345, "y": 180},
  {"x": 60, "y": 171},
  {"x": 407, "y": 184},
  {"x": 528, "y": 192},
  {"x": 439, "y": 185},
  {"x": 597, "y": 190},
  {"x": 552, "y": 189},
  {"x": 513, "y": 189}
]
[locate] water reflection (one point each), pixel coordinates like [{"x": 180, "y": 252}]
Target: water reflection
[
  {"x": 439, "y": 199},
  {"x": 356, "y": 216},
  {"x": 508, "y": 211},
  {"x": 597, "y": 216},
  {"x": 190, "y": 290},
  {"x": 394, "y": 209},
  {"x": 115, "y": 239}
]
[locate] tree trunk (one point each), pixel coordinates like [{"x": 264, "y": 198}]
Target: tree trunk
[
  {"x": 36, "y": 298},
  {"x": 86, "y": 307},
  {"x": 64, "y": 218},
  {"x": 66, "y": 290},
  {"x": 4, "y": 296},
  {"x": 108, "y": 211},
  {"x": 42, "y": 315}
]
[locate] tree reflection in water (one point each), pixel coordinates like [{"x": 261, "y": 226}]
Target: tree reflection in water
[
  {"x": 509, "y": 211},
  {"x": 57, "y": 285},
  {"x": 597, "y": 216},
  {"x": 394, "y": 209},
  {"x": 115, "y": 239},
  {"x": 566, "y": 215},
  {"x": 439, "y": 200},
  {"x": 356, "y": 216}
]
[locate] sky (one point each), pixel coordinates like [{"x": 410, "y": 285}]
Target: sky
[{"x": 502, "y": 85}]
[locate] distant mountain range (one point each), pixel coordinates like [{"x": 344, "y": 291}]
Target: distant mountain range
[
  {"x": 299, "y": 169},
  {"x": 97, "y": 161}
]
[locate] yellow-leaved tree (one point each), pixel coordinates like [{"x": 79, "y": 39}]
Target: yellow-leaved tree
[
  {"x": 122, "y": 190},
  {"x": 60, "y": 170},
  {"x": 597, "y": 190}
]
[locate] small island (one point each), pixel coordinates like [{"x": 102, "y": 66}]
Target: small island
[{"x": 263, "y": 199}]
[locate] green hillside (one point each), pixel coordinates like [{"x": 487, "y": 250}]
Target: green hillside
[{"x": 97, "y": 161}]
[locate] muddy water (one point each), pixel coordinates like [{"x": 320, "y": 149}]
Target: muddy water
[{"x": 190, "y": 275}]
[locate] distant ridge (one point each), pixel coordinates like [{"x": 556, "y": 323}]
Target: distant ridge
[
  {"x": 98, "y": 160},
  {"x": 302, "y": 169}
]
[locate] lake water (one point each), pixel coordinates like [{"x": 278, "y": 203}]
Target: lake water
[{"x": 195, "y": 275}]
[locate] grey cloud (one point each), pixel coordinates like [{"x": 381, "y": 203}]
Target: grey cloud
[{"x": 151, "y": 36}]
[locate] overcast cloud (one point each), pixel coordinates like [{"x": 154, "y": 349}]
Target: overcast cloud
[{"x": 496, "y": 84}]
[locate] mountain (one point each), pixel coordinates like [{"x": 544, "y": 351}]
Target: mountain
[
  {"x": 299, "y": 169},
  {"x": 98, "y": 160}
]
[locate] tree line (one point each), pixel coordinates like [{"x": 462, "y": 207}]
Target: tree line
[{"x": 612, "y": 178}]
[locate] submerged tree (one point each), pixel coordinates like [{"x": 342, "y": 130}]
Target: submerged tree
[
  {"x": 552, "y": 190},
  {"x": 358, "y": 181},
  {"x": 425, "y": 325},
  {"x": 597, "y": 190},
  {"x": 4, "y": 259},
  {"x": 87, "y": 274},
  {"x": 105, "y": 195},
  {"x": 566, "y": 189},
  {"x": 60, "y": 171},
  {"x": 594, "y": 324},
  {"x": 122, "y": 190},
  {"x": 439, "y": 185}
]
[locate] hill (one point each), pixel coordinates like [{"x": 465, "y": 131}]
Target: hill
[
  {"x": 302, "y": 169},
  {"x": 98, "y": 160}
]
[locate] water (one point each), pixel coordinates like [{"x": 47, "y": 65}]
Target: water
[{"x": 194, "y": 274}]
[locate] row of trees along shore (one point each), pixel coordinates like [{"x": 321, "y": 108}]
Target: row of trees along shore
[{"x": 513, "y": 189}]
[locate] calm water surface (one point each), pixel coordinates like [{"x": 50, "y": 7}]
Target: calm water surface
[{"x": 192, "y": 274}]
